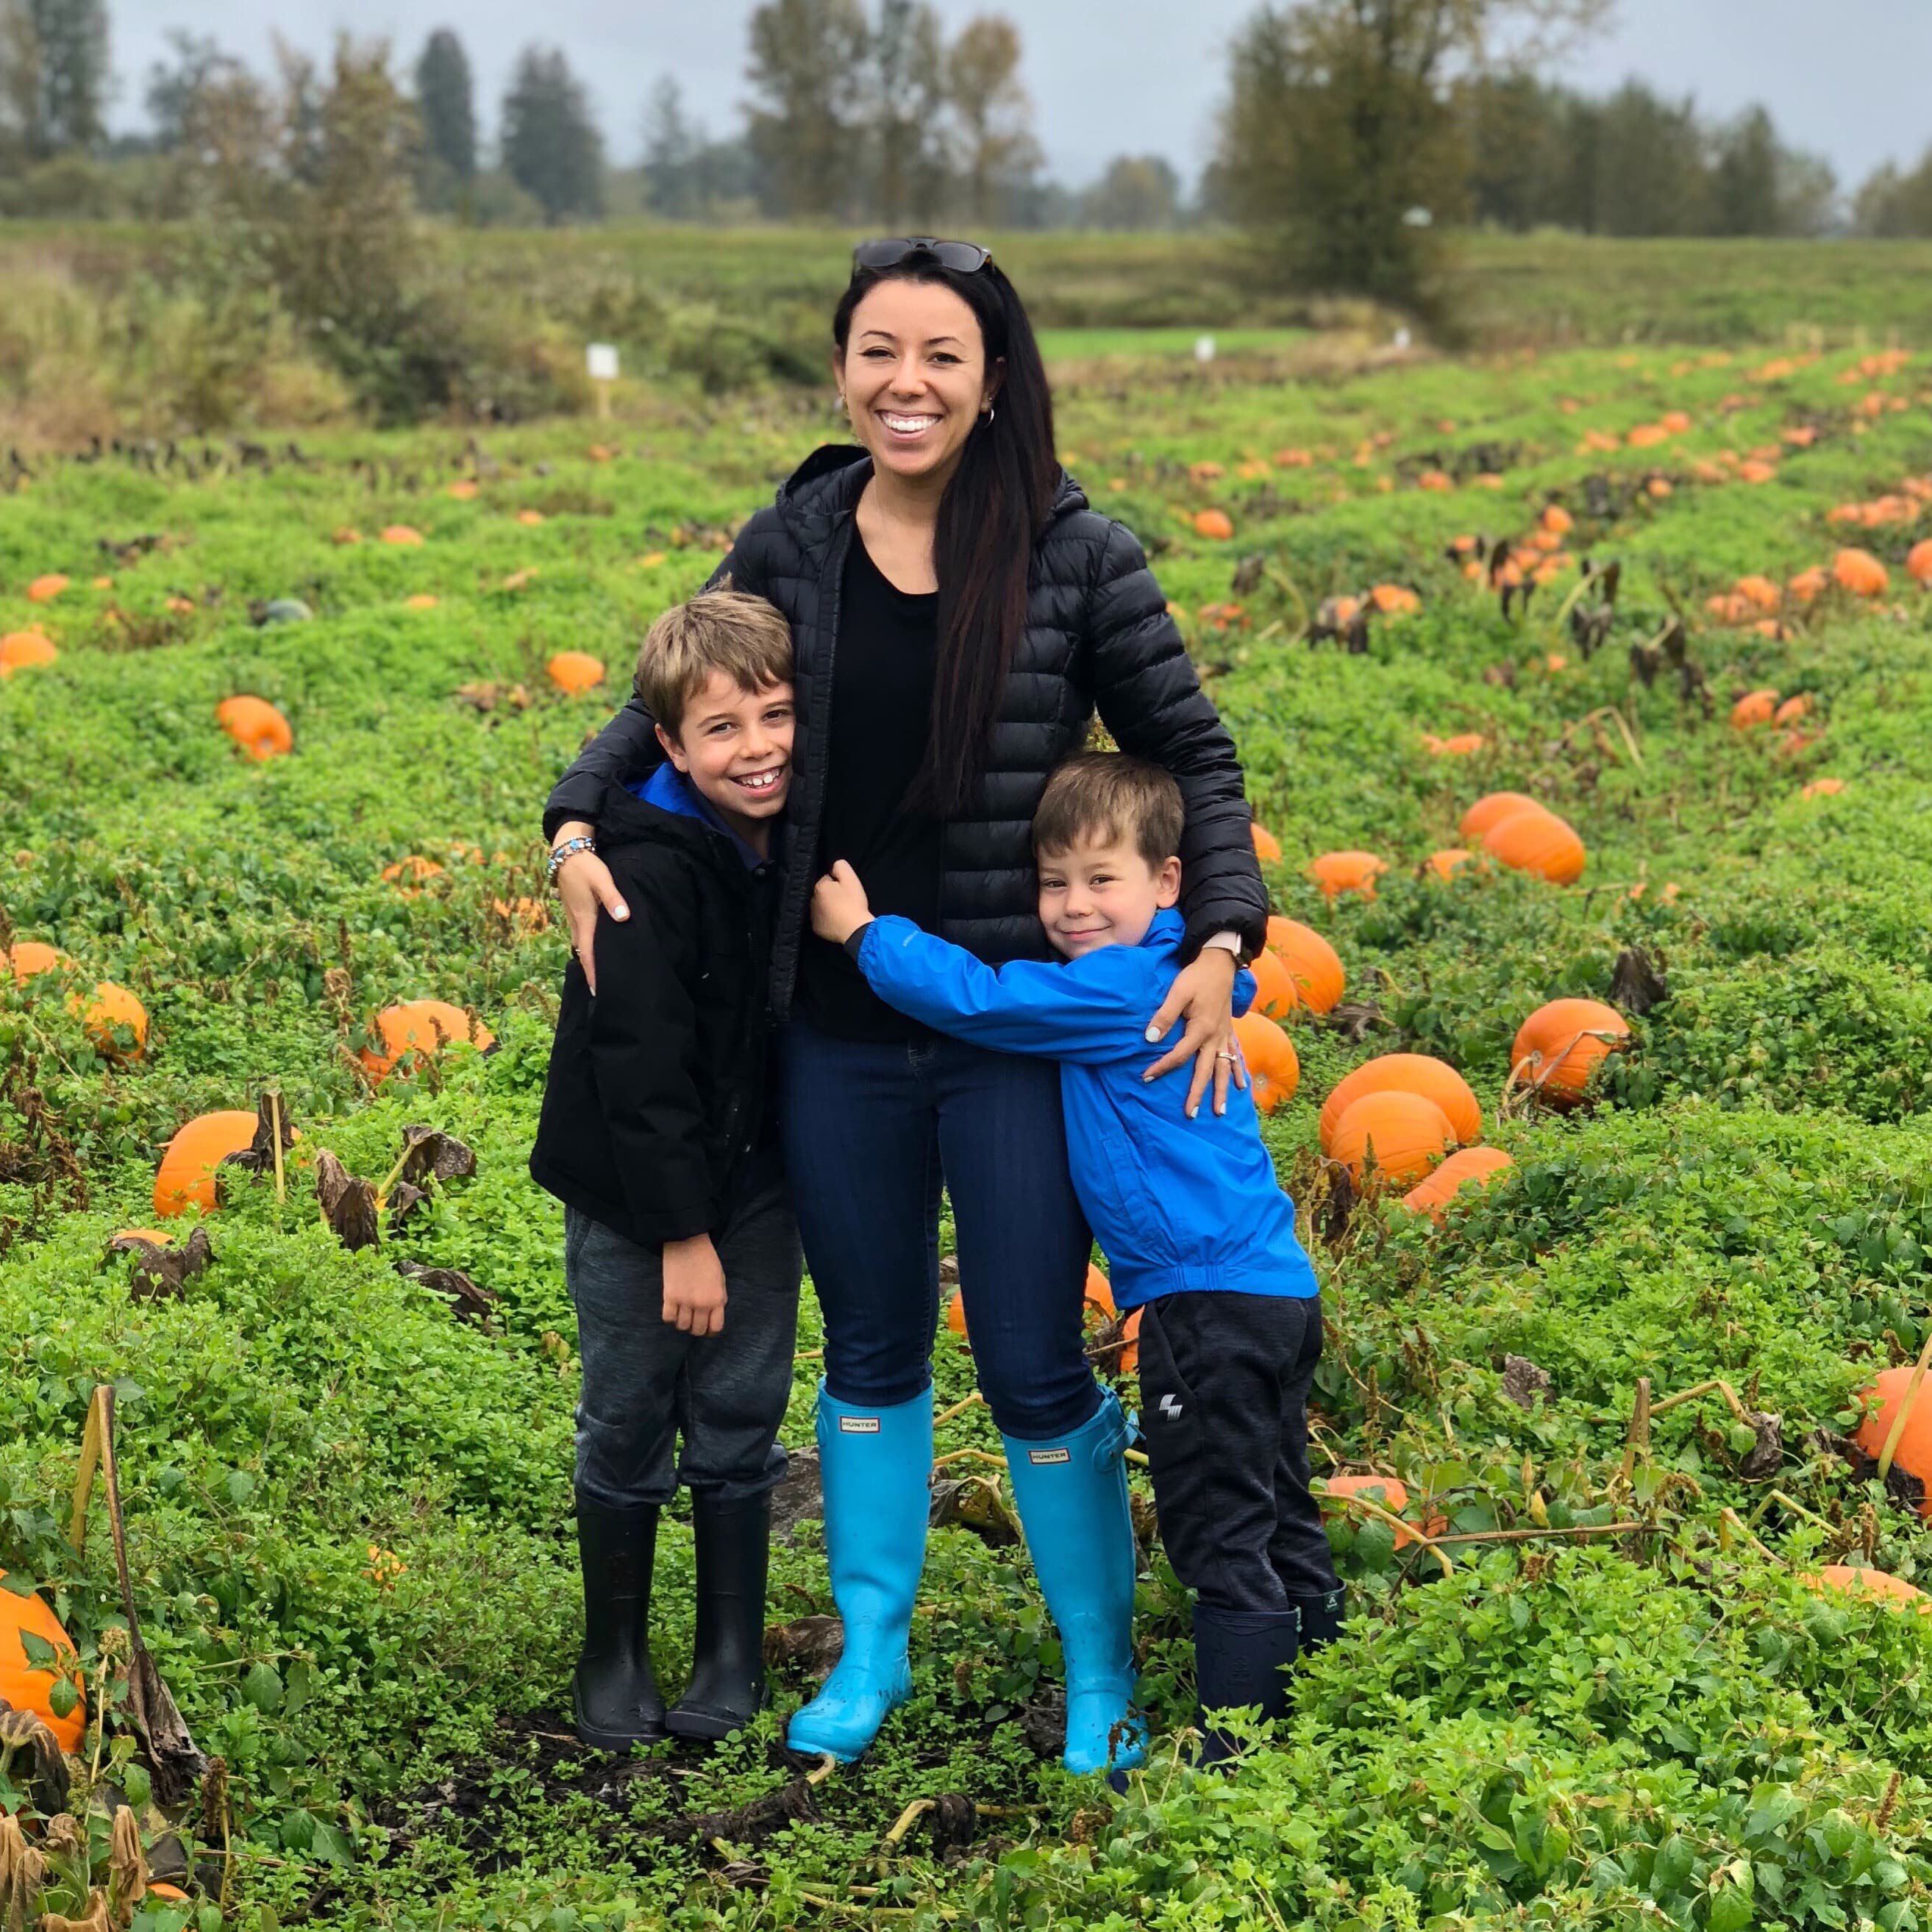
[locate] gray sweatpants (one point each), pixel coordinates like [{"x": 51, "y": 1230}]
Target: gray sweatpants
[{"x": 646, "y": 1383}]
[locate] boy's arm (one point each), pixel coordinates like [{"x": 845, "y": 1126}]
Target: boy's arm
[
  {"x": 643, "y": 1059},
  {"x": 1093, "y": 1008}
]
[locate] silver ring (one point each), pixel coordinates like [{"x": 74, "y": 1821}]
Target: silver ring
[{"x": 1224, "y": 1056}]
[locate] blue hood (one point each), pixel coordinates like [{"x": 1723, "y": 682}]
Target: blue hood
[{"x": 669, "y": 790}]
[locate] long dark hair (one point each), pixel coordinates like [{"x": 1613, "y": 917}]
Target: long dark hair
[{"x": 998, "y": 502}]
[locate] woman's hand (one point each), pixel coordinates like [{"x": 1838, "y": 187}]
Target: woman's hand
[
  {"x": 583, "y": 883},
  {"x": 1203, "y": 995}
]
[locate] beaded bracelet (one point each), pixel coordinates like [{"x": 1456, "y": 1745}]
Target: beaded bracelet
[{"x": 568, "y": 849}]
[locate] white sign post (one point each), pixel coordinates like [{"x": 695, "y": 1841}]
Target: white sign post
[{"x": 600, "y": 359}]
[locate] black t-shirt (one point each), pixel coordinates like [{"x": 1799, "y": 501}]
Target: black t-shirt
[{"x": 882, "y": 679}]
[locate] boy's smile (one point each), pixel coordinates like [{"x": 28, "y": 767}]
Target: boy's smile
[
  {"x": 1102, "y": 892},
  {"x": 735, "y": 747}
]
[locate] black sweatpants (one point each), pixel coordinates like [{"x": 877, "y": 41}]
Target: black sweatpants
[{"x": 1224, "y": 1408}]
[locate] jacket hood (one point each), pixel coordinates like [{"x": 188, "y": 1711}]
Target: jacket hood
[{"x": 826, "y": 487}]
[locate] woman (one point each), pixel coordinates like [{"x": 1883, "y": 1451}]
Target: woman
[{"x": 958, "y": 614}]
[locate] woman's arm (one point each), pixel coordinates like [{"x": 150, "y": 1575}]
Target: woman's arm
[{"x": 1150, "y": 700}]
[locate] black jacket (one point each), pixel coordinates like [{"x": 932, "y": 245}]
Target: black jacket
[
  {"x": 1098, "y": 634},
  {"x": 655, "y": 1104}
]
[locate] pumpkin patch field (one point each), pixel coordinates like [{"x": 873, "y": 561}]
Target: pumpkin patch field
[{"x": 1585, "y": 701}]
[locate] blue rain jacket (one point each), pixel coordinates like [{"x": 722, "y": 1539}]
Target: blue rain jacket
[{"x": 1175, "y": 1204}]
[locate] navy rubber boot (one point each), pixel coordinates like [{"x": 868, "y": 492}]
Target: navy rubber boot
[
  {"x": 1072, "y": 1498},
  {"x": 1240, "y": 1660},
  {"x": 874, "y": 1470},
  {"x": 1321, "y": 1616},
  {"x": 614, "y": 1699},
  {"x": 733, "y": 1540}
]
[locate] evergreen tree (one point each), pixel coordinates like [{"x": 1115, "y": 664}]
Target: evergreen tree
[
  {"x": 445, "y": 99},
  {"x": 672, "y": 145},
  {"x": 64, "y": 90},
  {"x": 551, "y": 147}
]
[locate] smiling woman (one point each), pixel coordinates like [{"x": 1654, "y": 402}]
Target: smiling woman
[{"x": 958, "y": 614}]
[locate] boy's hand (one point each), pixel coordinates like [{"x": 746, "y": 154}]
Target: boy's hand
[
  {"x": 839, "y": 906},
  {"x": 693, "y": 1285}
]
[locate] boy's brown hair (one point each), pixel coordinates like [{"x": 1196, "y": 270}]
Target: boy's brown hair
[
  {"x": 1105, "y": 795},
  {"x": 727, "y": 630}
]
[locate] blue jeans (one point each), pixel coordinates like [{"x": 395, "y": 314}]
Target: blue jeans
[{"x": 870, "y": 1129}]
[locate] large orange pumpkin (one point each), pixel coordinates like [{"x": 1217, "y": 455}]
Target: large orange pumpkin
[
  {"x": 187, "y": 1165},
  {"x": 18, "y": 649},
  {"x": 575, "y": 671},
  {"x": 1274, "y": 987},
  {"x": 110, "y": 1007},
  {"x": 1406, "y": 1133},
  {"x": 1538, "y": 842},
  {"x": 1467, "y": 1167},
  {"x": 1918, "y": 562},
  {"x": 1492, "y": 807},
  {"x": 24, "y": 1688},
  {"x": 422, "y": 1026},
  {"x": 1914, "y": 1453},
  {"x": 1268, "y": 847},
  {"x": 255, "y": 725},
  {"x": 1861, "y": 573},
  {"x": 34, "y": 955},
  {"x": 1556, "y": 1047},
  {"x": 1274, "y": 1068},
  {"x": 1404, "y": 1073},
  {"x": 1755, "y": 707},
  {"x": 1312, "y": 964},
  {"x": 1857, "y": 1581},
  {"x": 1338, "y": 872}
]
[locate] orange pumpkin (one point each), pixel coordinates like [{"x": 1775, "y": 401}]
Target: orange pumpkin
[
  {"x": 1450, "y": 860},
  {"x": 21, "y": 649},
  {"x": 1274, "y": 987},
  {"x": 112, "y": 1007},
  {"x": 1214, "y": 524},
  {"x": 256, "y": 726},
  {"x": 1754, "y": 708},
  {"x": 45, "y": 589},
  {"x": 1420, "y": 1073},
  {"x": 1469, "y": 1166},
  {"x": 1274, "y": 1068},
  {"x": 421, "y": 600},
  {"x": 1404, "y": 1133},
  {"x": 1914, "y": 1453},
  {"x": 1808, "y": 583},
  {"x": 1538, "y": 841},
  {"x": 187, "y": 1174},
  {"x": 1391, "y": 1494},
  {"x": 1822, "y": 788},
  {"x": 1858, "y": 1581},
  {"x": 529, "y": 519},
  {"x": 1490, "y": 808},
  {"x": 22, "y": 1686},
  {"x": 1861, "y": 573},
  {"x": 1919, "y": 562},
  {"x": 1557, "y": 1046},
  {"x": 1759, "y": 591},
  {"x": 404, "y": 535},
  {"x": 33, "y": 955},
  {"x": 1792, "y": 708},
  {"x": 575, "y": 671},
  {"x": 408, "y": 873},
  {"x": 1268, "y": 847},
  {"x": 1098, "y": 1295},
  {"x": 1312, "y": 964},
  {"x": 1394, "y": 599},
  {"x": 422, "y": 1026},
  {"x": 463, "y": 489},
  {"x": 1338, "y": 872},
  {"x": 1556, "y": 518}
]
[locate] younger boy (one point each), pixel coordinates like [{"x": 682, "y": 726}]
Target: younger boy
[
  {"x": 680, "y": 1251},
  {"x": 1199, "y": 1235}
]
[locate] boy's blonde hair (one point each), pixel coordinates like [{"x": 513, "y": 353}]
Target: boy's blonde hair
[
  {"x": 721, "y": 630},
  {"x": 1105, "y": 796}
]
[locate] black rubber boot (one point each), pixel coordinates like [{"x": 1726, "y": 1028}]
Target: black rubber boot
[
  {"x": 1240, "y": 1658},
  {"x": 1321, "y": 1616},
  {"x": 614, "y": 1700},
  {"x": 727, "y": 1672}
]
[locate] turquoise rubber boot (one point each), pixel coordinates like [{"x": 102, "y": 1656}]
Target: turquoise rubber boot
[
  {"x": 1072, "y": 1498},
  {"x": 874, "y": 1468}
]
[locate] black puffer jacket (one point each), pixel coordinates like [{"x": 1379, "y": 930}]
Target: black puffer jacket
[{"x": 1098, "y": 634}]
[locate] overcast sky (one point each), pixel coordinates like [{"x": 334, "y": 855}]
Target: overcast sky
[{"x": 1851, "y": 80}]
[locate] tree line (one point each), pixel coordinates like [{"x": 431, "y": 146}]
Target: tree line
[{"x": 1349, "y": 130}]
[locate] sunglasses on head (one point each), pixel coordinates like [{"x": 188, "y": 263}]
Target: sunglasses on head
[{"x": 963, "y": 258}]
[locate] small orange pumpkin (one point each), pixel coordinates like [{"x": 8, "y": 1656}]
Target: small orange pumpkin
[
  {"x": 575, "y": 671},
  {"x": 1404, "y": 1133},
  {"x": 1338, "y": 872},
  {"x": 1861, "y": 573},
  {"x": 200, "y": 1146},
  {"x": 110, "y": 1008},
  {"x": 1558, "y": 1046},
  {"x": 1420, "y": 1073},
  {"x": 1448, "y": 861},
  {"x": 45, "y": 589},
  {"x": 256, "y": 726},
  {"x": 1919, "y": 562},
  {"x": 421, "y": 1026},
  {"x": 22, "y": 1686},
  {"x": 1823, "y": 788},
  {"x": 406, "y": 536},
  {"x": 1274, "y": 1068},
  {"x": 21, "y": 649},
  {"x": 30, "y": 956},
  {"x": 1312, "y": 964},
  {"x": 1275, "y": 994},
  {"x": 1792, "y": 708},
  {"x": 1216, "y": 525},
  {"x": 1467, "y": 1167},
  {"x": 1538, "y": 841},
  {"x": 1268, "y": 847},
  {"x": 1754, "y": 708}
]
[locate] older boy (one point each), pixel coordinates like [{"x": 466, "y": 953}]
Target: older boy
[
  {"x": 1200, "y": 1236},
  {"x": 680, "y": 1250}
]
